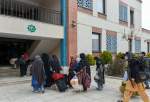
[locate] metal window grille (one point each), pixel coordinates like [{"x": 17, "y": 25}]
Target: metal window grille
[
  {"x": 27, "y": 11},
  {"x": 85, "y": 4}
]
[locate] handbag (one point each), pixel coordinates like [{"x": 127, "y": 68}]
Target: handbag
[
  {"x": 75, "y": 84},
  {"x": 143, "y": 76},
  {"x": 96, "y": 77}
]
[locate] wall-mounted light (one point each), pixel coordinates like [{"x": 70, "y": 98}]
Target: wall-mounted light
[
  {"x": 124, "y": 35},
  {"x": 131, "y": 34},
  {"x": 74, "y": 23}
]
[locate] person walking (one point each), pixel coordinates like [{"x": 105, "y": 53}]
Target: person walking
[
  {"x": 99, "y": 78},
  {"x": 84, "y": 72},
  {"x": 72, "y": 67},
  {"x": 22, "y": 64},
  {"x": 134, "y": 83},
  {"x": 47, "y": 68},
  {"x": 55, "y": 64},
  {"x": 38, "y": 75}
]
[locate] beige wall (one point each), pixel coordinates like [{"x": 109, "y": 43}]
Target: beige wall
[
  {"x": 50, "y": 46},
  {"x": 84, "y": 42},
  {"x": 16, "y": 27}
]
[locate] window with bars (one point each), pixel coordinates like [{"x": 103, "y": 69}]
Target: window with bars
[
  {"x": 137, "y": 46},
  {"x": 85, "y": 4},
  {"x": 111, "y": 41}
]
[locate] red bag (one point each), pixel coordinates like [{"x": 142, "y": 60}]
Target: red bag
[{"x": 57, "y": 76}]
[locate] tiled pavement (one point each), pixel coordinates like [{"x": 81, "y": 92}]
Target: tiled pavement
[{"x": 22, "y": 92}]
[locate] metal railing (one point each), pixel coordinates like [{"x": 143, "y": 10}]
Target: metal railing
[{"x": 28, "y": 11}]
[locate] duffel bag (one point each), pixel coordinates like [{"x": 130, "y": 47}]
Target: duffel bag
[{"x": 57, "y": 76}]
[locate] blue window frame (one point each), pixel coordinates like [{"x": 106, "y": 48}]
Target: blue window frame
[
  {"x": 123, "y": 13},
  {"x": 111, "y": 41},
  {"x": 137, "y": 46}
]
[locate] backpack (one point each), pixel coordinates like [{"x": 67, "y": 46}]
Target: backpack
[
  {"x": 142, "y": 74},
  {"x": 137, "y": 70}
]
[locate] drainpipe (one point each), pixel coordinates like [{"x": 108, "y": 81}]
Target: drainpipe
[{"x": 63, "y": 49}]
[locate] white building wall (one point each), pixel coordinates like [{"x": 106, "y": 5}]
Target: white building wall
[
  {"x": 122, "y": 44},
  {"x": 144, "y": 36},
  {"x": 84, "y": 39},
  {"x": 112, "y": 10},
  {"x": 103, "y": 38},
  {"x": 18, "y": 28},
  {"x": 111, "y": 23}
]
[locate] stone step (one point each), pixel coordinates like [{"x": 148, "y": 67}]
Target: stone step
[
  {"x": 8, "y": 71},
  {"x": 14, "y": 80}
]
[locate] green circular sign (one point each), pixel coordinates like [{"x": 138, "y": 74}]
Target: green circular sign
[{"x": 31, "y": 28}]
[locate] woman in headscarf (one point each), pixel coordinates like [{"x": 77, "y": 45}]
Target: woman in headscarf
[
  {"x": 100, "y": 73},
  {"x": 55, "y": 64},
  {"x": 38, "y": 74},
  {"x": 72, "y": 67},
  {"x": 84, "y": 72},
  {"x": 47, "y": 68},
  {"x": 22, "y": 64}
]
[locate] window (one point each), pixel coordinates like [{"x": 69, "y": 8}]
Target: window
[
  {"x": 130, "y": 45},
  {"x": 131, "y": 17},
  {"x": 148, "y": 47},
  {"x": 96, "y": 42},
  {"x": 137, "y": 46},
  {"x": 111, "y": 43},
  {"x": 123, "y": 13},
  {"x": 85, "y": 3},
  {"x": 100, "y": 6}
]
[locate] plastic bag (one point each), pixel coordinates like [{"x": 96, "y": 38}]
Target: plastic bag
[{"x": 75, "y": 84}]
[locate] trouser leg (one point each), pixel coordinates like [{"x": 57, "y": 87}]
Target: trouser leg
[
  {"x": 144, "y": 96},
  {"x": 127, "y": 96},
  {"x": 21, "y": 71},
  {"x": 100, "y": 85}
]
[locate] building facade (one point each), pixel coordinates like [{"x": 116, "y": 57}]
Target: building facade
[
  {"x": 70, "y": 27},
  {"x": 111, "y": 25}
]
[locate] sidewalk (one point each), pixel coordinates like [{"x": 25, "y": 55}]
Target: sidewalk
[{"x": 23, "y": 93}]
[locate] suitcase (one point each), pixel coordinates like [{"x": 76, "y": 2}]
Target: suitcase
[{"x": 61, "y": 85}]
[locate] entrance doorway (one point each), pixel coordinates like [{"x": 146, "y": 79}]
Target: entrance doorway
[{"x": 12, "y": 48}]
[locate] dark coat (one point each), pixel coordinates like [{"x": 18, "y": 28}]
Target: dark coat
[
  {"x": 38, "y": 70},
  {"x": 100, "y": 70},
  {"x": 134, "y": 68}
]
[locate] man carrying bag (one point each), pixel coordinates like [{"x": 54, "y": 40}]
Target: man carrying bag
[{"x": 135, "y": 80}]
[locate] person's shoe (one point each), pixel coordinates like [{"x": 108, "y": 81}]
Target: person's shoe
[
  {"x": 35, "y": 91},
  {"x": 43, "y": 92},
  {"x": 147, "y": 87},
  {"x": 99, "y": 89}
]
